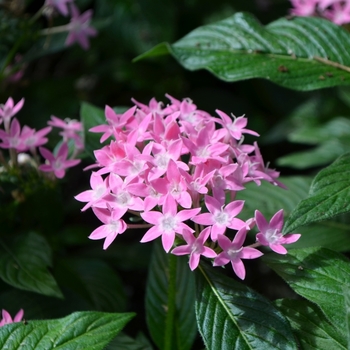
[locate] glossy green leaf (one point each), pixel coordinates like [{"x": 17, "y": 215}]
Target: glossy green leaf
[
  {"x": 310, "y": 326},
  {"x": 322, "y": 155},
  {"x": 328, "y": 196},
  {"x": 80, "y": 330},
  {"x": 301, "y": 53},
  {"x": 95, "y": 281},
  {"x": 124, "y": 342},
  {"x": 319, "y": 275},
  {"x": 91, "y": 116},
  {"x": 183, "y": 329},
  {"x": 346, "y": 292},
  {"x": 23, "y": 264},
  {"x": 232, "y": 316},
  {"x": 267, "y": 198}
]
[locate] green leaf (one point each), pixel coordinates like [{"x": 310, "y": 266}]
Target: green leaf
[
  {"x": 328, "y": 196},
  {"x": 347, "y": 310},
  {"x": 232, "y": 316},
  {"x": 319, "y": 275},
  {"x": 124, "y": 342},
  {"x": 324, "y": 154},
  {"x": 95, "y": 281},
  {"x": 302, "y": 53},
  {"x": 310, "y": 326},
  {"x": 158, "y": 299},
  {"x": 333, "y": 234},
  {"x": 91, "y": 116},
  {"x": 80, "y": 330},
  {"x": 23, "y": 264}
]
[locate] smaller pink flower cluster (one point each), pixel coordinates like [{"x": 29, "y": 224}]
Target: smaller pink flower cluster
[
  {"x": 79, "y": 27},
  {"x": 176, "y": 167},
  {"x": 7, "y": 319},
  {"x": 337, "y": 11},
  {"x": 18, "y": 140}
]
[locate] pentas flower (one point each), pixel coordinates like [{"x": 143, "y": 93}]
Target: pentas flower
[
  {"x": 59, "y": 163},
  {"x": 8, "y": 110},
  {"x": 220, "y": 216},
  {"x": 31, "y": 138},
  {"x": 80, "y": 29},
  {"x": 271, "y": 232},
  {"x": 12, "y": 139},
  {"x": 167, "y": 223},
  {"x": 337, "y": 11},
  {"x": 234, "y": 252},
  {"x": 195, "y": 247},
  {"x": 94, "y": 197},
  {"x": 113, "y": 225},
  {"x": 167, "y": 163},
  {"x": 60, "y": 5},
  {"x": 71, "y": 130},
  {"x": 7, "y": 319}
]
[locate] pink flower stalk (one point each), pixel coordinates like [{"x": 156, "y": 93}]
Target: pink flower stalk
[
  {"x": 59, "y": 163},
  {"x": 271, "y": 233},
  {"x": 167, "y": 223},
  {"x": 7, "y": 319},
  {"x": 60, "y": 5},
  {"x": 8, "y": 110},
  {"x": 234, "y": 252},
  {"x": 195, "y": 247},
  {"x": 80, "y": 29}
]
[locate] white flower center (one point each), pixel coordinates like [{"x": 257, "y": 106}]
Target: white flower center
[
  {"x": 272, "y": 235},
  {"x": 168, "y": 223},
  {"x": 232, "y": 253},
  {"x": 221, "y": 218},
  {"x": 162, "y": 160},
  {"x": 113, "y": 226}
]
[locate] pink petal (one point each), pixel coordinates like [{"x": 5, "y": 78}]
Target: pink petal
[
  {"x": 277, "y": 220},
  {"x": 99, "y": 233},
  {"x": 250, "y": 253},
  {"x": 18, "y": 316},
  {"x": 168, "y": 240},
  {"x": 151, "y": 234},
  {"x": 279, "y": 249},
  {"x": 194, "y": 261},
  {"x": 182, "y": 250},
  {"x": 238, "y": 268},
  {"x": 261, "y": 221}
]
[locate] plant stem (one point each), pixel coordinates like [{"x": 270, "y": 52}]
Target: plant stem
[{"x": 171, "y": 307}]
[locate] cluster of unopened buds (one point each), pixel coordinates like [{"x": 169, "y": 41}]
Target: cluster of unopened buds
[
  {"x": 23, "y": 142},
  {"x": 176, "y": 167},
  {"x": 337, "y": 11}
]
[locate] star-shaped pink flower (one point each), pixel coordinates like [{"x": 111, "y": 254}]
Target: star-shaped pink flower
[{"x": 271, "y": 233}]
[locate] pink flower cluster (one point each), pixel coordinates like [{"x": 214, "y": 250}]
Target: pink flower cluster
[
  {"x": 176, "y": 166},
  {"x": 7, "y": 319},
  {"x": 337, "y": 11},
  {"x": 19, "y": 139},
  {"x": 79, "y": 29}
]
